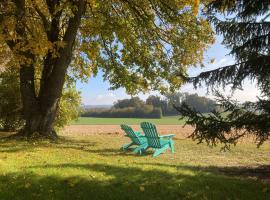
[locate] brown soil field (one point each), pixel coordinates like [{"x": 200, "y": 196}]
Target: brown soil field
[
  {"x": 178, "y": 130},
  {"x": 88, "y": 130}
]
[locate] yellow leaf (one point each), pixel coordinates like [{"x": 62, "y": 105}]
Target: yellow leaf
[
  {"x": 71, "y": 184},
  {"x": 142, "y": 188},
  {"x": 27, "y": 185}
]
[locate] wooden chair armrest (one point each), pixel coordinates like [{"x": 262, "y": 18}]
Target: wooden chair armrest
[{"x": 166, "y": 136}]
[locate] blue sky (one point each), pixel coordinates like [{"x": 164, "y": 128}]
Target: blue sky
[{"x": 96, "y": 91}]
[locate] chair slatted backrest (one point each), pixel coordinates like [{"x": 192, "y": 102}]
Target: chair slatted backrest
[
  {"x": 131, "y": 134},
  {"x": 151, "y": 134}
]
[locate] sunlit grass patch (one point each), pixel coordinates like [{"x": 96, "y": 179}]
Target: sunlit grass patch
[{"x": 173, "y": 120}]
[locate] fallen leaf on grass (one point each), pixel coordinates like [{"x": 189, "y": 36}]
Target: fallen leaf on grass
[{"x": 142, "y": 188}]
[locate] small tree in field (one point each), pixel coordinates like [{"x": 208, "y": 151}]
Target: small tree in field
[
  {"x": 245, "y": 26},
  {"x": 139, "y": 45}
]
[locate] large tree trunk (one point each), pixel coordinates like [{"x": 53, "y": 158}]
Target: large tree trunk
[
  {"x": 40, "y": 123},
  {"x": 39, "y": 110}
]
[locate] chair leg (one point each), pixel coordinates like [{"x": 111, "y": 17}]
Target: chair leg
[
  {"x": 140, "y": 149},
  {"x": 172, "y": 146},
  {"x": 159, "y": 151},
  {"x": 126, "y": 146},
  {"x": 144, "y": 150}
]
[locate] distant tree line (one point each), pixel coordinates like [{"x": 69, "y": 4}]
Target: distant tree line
[
  {"x": 154, "y": 107},
  {"x": 126, "y": 108},
  {"x": 167, "y": 104},
  {"x": 130, "y": 112}
]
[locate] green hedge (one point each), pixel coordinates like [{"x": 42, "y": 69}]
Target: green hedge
[{"x": 131, "y": 112}]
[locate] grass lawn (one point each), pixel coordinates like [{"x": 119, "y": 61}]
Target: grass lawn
[
  {"x": 93, "y": 167},
  {"x": 116, "y": 121}
]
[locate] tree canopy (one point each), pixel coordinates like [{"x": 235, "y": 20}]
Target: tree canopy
[
  {"x": 244, "y": 25},
  {"x": 132, "y": 102},
  {"x": 139, "y": 45}
]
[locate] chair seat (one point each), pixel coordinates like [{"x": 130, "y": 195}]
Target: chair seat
[{"x": 164, "y": 142}]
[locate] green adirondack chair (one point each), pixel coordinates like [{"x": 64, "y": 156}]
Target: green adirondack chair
[
  {"x": 159, "y": 143},
  {"x": 136, "y": 139}
]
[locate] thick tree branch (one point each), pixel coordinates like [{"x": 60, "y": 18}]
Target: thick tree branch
[
  {"x": 57, "y": 75},
  {"x": 44, "y": 20}
]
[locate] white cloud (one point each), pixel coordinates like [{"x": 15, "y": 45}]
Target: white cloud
[
  {"x": 105, "y": 96},
  {"x": 250, "y": 91},
  {"x": 194, "y": 71},
  {"x": 219, "y": 63},
  {"x": 222, "y": 61},
  {"x": 101, "y": 99}
]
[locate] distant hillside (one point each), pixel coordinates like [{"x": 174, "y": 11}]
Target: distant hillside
[{"x": 96, "y": 106}]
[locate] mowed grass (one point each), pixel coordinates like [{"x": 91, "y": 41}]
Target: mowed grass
[
  {"x": 117, "y": 121},
  {"x": 94, "y": 167}
]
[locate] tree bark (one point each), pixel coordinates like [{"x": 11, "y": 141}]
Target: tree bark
[{"x": 39, "y": 110}]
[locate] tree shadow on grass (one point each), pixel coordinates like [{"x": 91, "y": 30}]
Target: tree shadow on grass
[
  {"x": 261, "y": 172},
  {"x": 8, "y": 145},
  {"x": 117, "y": 152},
  {"x": 13, "y": 146},
  {"x": 118, "y": 182}
]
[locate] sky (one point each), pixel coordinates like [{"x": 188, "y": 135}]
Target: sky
[{"x": 96, "y": 90}]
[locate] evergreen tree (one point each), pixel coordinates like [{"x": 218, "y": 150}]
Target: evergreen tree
[{"x": 245, "y": 26}]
